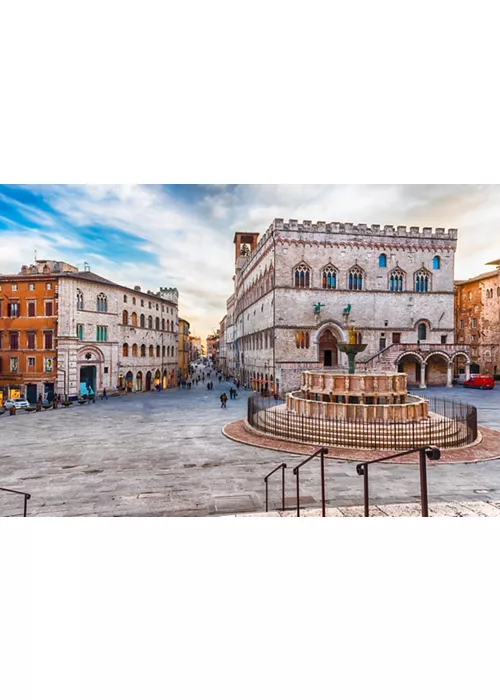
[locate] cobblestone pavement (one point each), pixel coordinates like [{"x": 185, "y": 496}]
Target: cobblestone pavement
[{"x": 165, "y": 454}]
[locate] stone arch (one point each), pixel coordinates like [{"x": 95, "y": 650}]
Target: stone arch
[
  {"x": 165, "y": 379},
  {"x": 439, "y": 353},
  {"x": 438, "y": 369},
  {"x": 148, "y": 381},
  {"x": 138, "y": 381},
  {"x": 413, "y": 365}
]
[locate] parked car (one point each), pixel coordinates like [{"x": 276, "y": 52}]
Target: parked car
[
  {"x": 478, "y": 381},
  {"x": 17, "y": 403}
]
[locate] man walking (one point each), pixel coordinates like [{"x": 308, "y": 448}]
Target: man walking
[{"x": 223, "y": 400}]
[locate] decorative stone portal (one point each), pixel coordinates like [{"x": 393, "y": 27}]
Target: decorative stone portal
[{"x": 328, "y": 349}]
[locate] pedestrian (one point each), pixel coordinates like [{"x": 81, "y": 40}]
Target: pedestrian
[
  {"x": 104, "y": 395},
  {"x": 208, "y": 386},
  {"x": 223, "y": 400}
]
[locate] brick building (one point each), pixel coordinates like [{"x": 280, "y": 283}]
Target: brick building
[
  {"x": 477, "y": 319},
  {"x": 299, "y": 287},
  {"x": 183, "y": 348}
]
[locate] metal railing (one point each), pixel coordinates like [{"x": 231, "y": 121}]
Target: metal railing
[
  {"x": 282, "y": 466},
  {"x": 321, "y": 452},
  {"x": 27, "y": 496},
  {"x": 424, "y": 453},
  {"x": 453, "y": 424}
]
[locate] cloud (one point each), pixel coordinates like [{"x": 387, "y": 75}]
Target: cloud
[{"x": 182, "y": 236}]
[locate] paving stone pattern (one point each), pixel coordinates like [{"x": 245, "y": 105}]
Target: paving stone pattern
[{"x": 164, "y": 454}]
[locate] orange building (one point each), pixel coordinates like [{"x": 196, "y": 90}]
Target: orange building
[{"x": 28, "y": 329}]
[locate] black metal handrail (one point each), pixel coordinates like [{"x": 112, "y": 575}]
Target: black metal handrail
[
  {"x": 27, "y": 496},
  {"x": 321, "y": 452},
  {"x": 424, "y": 452},
  {"x": 281, "y": 466}
]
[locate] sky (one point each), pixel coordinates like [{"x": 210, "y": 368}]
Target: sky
[{"x": 182, "y": 235}]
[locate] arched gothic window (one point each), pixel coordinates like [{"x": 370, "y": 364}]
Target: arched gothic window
[
  {"x": 382, "y": 260},
  {"x": 157, "y": 323},
  {"x": 125, "y": 318},
  {"x": 422, "y": 283},
  {"x": 163, "y": 324},
  {"x": 143, "y": 320},
  {"x": 102, "y": 303},
  {"x": 358, "y": 338},
  {"x": 133, "y": 301},
  {"x": 168, "y": 350},
  {"x": 157, "y": 351},
  {"x": 150, "y": 322},
  {"x": 134, "y": 318},
  {"x": 125, "y": 350},
  {"x": 355, "y": 279},
  {"x": 396, "y": 281},
  {"x": 329, "y": 277},
  {"x": 302, "y": 276},
  {"x": 302, "y": 339},
  {"x": 422, "y": 331},
  {"x": 143, "y": 351},
  {"x": 79, "y": 299},
  {"x": 436, "y": 262},
  {"x": 134, "y": 350},
  {"x": 151, "y": 351}
]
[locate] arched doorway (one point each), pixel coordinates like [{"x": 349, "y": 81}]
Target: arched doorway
[
  {"x": 148, "y": 381},
  {"x": 129, "y": 381},
  {"x": 138, "y": 381},
  {"x": 157, "y": 378},
  {"x": 328, "y": 350},
  {"x": 437, "y": 370},
  {"x": 165, "y": 379},
  {"x": 411, "y": 364}
]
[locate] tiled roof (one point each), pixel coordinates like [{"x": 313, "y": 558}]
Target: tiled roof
[{"x": 483, "y": 276}]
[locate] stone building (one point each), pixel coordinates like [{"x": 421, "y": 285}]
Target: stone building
[
  {"x": 299, "y": 287},
  {"x": 183, "y": 348},
  {"x": 28, "y": 328},
  {"x": 477, "y": 319},
  {"x": 229, "y": 336},
  {"x": 212, "y": 346},
  {"x": 100, "y": 335},
  {"x": 222, "y": 349}
]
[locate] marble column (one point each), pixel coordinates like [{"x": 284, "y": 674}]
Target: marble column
[
  {"x": 449, "y": 376},
  {"x": 422, "y": 376},
  {"x": 467, "y": 371}
]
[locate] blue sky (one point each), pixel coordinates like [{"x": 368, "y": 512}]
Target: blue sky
[{"x": 181, "y": 235}]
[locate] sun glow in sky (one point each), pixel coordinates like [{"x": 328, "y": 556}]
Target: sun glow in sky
[{"x": 182, "y": 235}]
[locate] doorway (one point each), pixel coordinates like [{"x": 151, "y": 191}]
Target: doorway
[
  {"x": 31, "y": 393},
  {"x": 87, "y": 379},
  {"x": 148, "y": 381},
  {"x": 328, "y": 350}
]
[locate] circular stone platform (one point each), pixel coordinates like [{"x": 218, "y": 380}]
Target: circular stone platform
[{"x": 486, "y": 447}]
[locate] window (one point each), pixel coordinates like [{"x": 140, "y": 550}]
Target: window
[
  {"x": 30, "y": 364},
  {"x": 48, "y": 285},
  {"x": 142, "y": 302},
  {"x": 133, "y": 301},
  {"x": 157, "y": 307},
  {"x": 150, "y": 322},
  {"x": 125, "y": 299},
  {"x": 102, "y": 303},
  {"x": 302, "y": 339},
  {"x": 163, "y": 324},
  {"x": 396, "y": 338},
  {"x": 102, "y": 334},
  {"x": 79, "y": 331},
  {"x": 473, "y": 338},
  {"x": 358, "y": 338},
  {"x": 355, "y": 279},
  {"x": 151, "y": 351},
  {"x": 31, "y": 287},
  {"x": 149, "y": 304},
  {"x": 396, "y": 281},
  {"x": 31, "y": 340},
  {"x": 48, "y": 364},
  {"x": 157, "y": 351},
  {"x": 381, "y": 343},
  {"x": 422, "y": 281},
  {"x": 163, "y": 351},
  {"x": 436, "y": 262},
  {"x": 474, "y": 323},
  {"x": 13, "y": 309},
  {"x": 48, "y": 339},
  {"x": 157, "y": 323},
  {"x": 14, "y": 340},
  {"x": 302, "y": 276},
  {"x": 469, "y": 296},
  {"x": 14, "y": 364},
  {"x": 49, "y": 308},
  {"x": 444, "y": 338},
  {"x": 382, "y": 260},
  {"x": 125, "y": 318},
  {"x": 422, "y": 331},
  {"x": 79, "y": 299},
  {"x": 168, "y": 350},
  {"x": 32, "y": 308},
  {"x": 461, "y": 323},
  {"x": 143, "y": 351},
  {"x": 143, "y": 321},
  {"x": 125, "y": 350},
  {"x": 14, "y": 287},
  {"x": 134, "y": 318},
  {"x": 134, "y": 350},
  {"x": 329, "y": 277}
]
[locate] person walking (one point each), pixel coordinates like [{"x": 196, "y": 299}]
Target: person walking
[
  {"x": 223, "y": 400},
  {"x": 104, "y": 395}
]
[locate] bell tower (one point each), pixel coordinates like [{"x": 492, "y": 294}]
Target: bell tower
[{"x": 244, "y": 245}]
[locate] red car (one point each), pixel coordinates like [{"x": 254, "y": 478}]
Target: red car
[{"x": 479, "y": 381}]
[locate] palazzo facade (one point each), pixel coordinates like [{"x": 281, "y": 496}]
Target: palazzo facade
[{"x": 300, "y": 286}]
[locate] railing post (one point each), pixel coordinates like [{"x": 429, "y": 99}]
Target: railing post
[
  {"x": 323, "y": 505},
  {"x": 423, "y": 483},
  {"x": 283, "y": 487}
]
